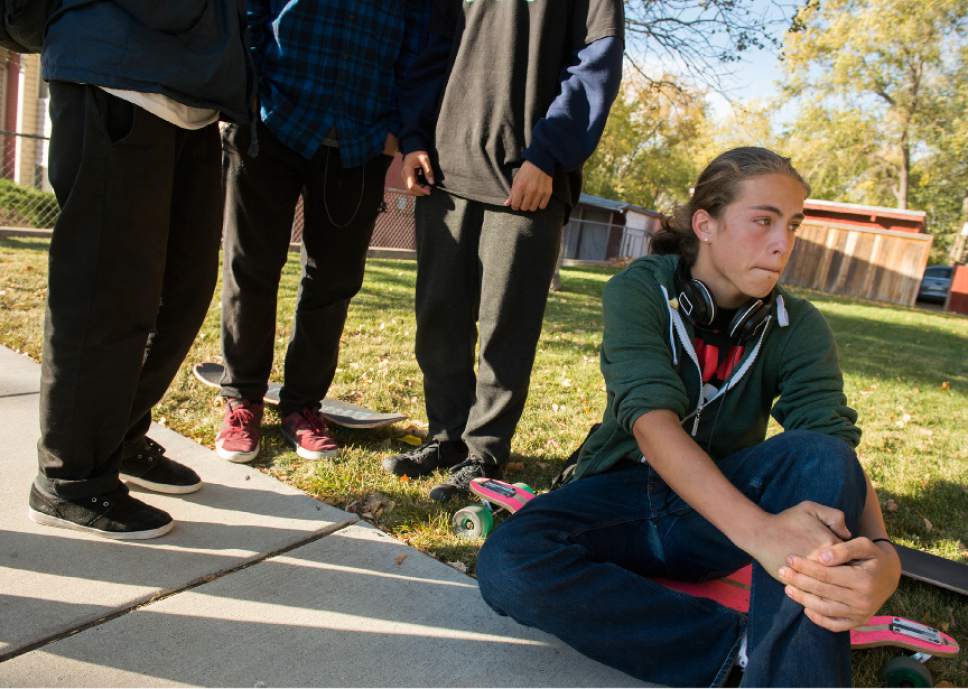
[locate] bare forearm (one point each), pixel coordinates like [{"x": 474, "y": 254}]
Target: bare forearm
[
  {"x": 694, "y": 476},
  {"x": 871, "y": 519}
]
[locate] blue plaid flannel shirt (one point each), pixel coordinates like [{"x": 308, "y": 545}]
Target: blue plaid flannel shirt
[{"x": 334, "y": 63}]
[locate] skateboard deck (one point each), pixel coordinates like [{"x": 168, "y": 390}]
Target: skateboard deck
[
  {"x": 733, "y": 591},
  {"x": 476, "y": 521},
  {"x": 934, "y": 570},
  {"x": 336, "y": 412}
]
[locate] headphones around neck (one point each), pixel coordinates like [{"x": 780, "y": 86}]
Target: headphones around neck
[{"x": 696, "y": 303}]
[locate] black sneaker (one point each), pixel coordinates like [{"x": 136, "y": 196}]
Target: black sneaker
[
  {"x": 459, "y": 481},
  {"x": 423, "y": 460},
  {"x": 114, "y": 515},
  {"x": 144, "y": 464}
]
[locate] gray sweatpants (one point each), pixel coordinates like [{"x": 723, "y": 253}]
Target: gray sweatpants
[{"x": 488, "y": 268}]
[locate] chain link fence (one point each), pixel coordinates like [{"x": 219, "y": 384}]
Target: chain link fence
[
  {"x": 25, "y": 199},
  {"x": 394, "y": 225}
]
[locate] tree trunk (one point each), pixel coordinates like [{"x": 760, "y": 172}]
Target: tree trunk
[{"x": 903, "y": 181}]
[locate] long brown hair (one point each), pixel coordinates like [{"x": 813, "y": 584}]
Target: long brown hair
[{"x": 718, "y": 187}]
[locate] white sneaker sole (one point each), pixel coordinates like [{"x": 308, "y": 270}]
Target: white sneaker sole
[
  {"x": 314, "y": 454},
  {"x": 169, "y": 488},
  {"x": 47, "y": 520},
  {"x": 236, "y": 457}
]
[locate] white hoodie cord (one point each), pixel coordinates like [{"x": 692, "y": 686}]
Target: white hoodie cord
[{"x": 678, "y": 326}]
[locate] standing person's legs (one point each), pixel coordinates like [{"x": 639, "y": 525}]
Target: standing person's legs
[
  {"x": 260, "y": 202},
  {"x": 518, "y": 252},
  {"x": 571, "y": 563},
  {"x": 191, "y": 269},
  {"x": 112, "y": 169},
  {"x": 341, "y": 208},
  {"x": 448, "y": 289},
  {"x": 447, "y": 296}
]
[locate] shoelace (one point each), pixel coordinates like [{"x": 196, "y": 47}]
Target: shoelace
[
  {"x": 240, "y": 416},
  {"x": 466, "y": 469},
  {"x": 313, "y": 420}
]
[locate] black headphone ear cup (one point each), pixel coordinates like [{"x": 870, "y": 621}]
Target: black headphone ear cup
[
  {"x": 705, "y": 312},
  {"x": 749, "y": 318}
]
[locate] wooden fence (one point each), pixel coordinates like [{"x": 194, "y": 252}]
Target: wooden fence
[{"x": 866, "y": 263}]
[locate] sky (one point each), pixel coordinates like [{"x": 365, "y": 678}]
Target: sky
[{"x": 755, "y": 77}]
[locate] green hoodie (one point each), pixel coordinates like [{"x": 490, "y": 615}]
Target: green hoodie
[{"x": 794, "y": 358}]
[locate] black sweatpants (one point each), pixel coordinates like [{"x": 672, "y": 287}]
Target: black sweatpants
[
  {"x": 486, "y": 268},
  {"x": 340, "y": 209},
  {"x": 133, "y": 263}
]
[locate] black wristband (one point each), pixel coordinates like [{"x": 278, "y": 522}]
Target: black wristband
[{"x": 882, "y": 540}]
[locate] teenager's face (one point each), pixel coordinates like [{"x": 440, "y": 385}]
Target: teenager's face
[{"x": 743, "y": 252}]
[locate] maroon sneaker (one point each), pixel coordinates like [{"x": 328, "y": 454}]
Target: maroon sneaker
[
  {"x": 306, "y": 430},
  {"x": 238, "y": 439}
]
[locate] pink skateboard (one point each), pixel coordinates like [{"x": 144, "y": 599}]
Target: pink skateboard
[
  {"x": 733, "y": 591},
  {"x": 476, "y": 521},
  {"x": 923, "y": 641}
]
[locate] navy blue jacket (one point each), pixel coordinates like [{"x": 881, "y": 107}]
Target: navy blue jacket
[{"x": 190, "y": 50}]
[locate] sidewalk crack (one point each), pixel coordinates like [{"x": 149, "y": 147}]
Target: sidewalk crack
[{"x": 162, "y": 595}]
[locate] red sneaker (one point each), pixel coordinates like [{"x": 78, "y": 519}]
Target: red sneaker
[
  {"x": 238, "y": 439},
  {"x": 306, "y": 430}
]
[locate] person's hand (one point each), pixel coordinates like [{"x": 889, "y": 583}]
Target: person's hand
[
  {"x": 841, "y": 586},
  {"x": 412, "y": 162},
  {"x": 531, "y": 189},
  {"x": 800, "y": 530},
  {"x": 391, "y": 145}
]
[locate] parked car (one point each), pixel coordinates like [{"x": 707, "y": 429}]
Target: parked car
[{"x": 935, "y": 284}]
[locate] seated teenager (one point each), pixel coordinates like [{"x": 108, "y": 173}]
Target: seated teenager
[{"x": 700, "y": 347}]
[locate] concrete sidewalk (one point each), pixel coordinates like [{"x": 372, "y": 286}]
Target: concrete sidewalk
[{"x": 258, "y": 585}]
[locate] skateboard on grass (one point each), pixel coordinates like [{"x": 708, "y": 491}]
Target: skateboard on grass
[
  {"x": 922, "y": 641},
  {"x": 933, "y": 570},
  {"x": 733, "y": 591},
  {"x": 477, "y": 521},
  {"x": 336, "y": 412}
]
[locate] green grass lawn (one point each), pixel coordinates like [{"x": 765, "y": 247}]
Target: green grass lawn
[{"x": 906, "y": 373}]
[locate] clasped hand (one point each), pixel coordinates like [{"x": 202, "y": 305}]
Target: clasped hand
[{"x": 839, "y": 580}]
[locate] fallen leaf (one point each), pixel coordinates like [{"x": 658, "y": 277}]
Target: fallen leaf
[
  {"x": 890, "y": 505},
  {"x": 371, "y": 506},
  {"x": 514, "y": 466},
  {"x": 945, "y": 385},
  {"x": 459, "y": 566},
  {"x": 410, "y": 439},
  {"x": 927, "y": 524},
  {"x": 400, "y": 558}
]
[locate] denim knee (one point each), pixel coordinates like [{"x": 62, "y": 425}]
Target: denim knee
[
  {"x": 510, "y": 566},
  {"x": 828, "y": 469},
  {"x": 497, "y": 569}
]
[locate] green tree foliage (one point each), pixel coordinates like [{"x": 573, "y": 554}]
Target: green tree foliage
[
  {"x": 648, "y": 152},
  {"x": 882, "y": 95}
]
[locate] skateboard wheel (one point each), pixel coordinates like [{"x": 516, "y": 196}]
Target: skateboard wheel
[
  {"x": 905, "y": 671},
  {"x": 525, "y": 487},
  {"x": 475, "y": 521}
]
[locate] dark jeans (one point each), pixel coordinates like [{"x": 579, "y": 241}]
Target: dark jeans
[
  {"x": 575, "y": 562},
  {"x": 480, "y": 268},
  {"x": 133, "y": 264},
  {"x": 340, "y": 209}
]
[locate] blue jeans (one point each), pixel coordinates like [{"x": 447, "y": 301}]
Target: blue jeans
[{"x": 576, "y": 563}]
